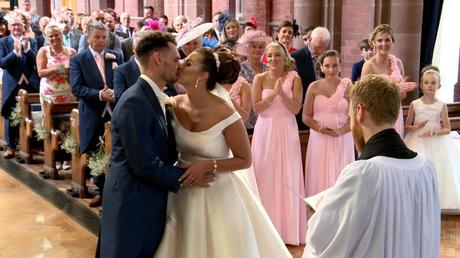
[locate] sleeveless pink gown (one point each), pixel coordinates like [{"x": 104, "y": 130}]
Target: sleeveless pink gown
[
  {"x": 277, "y": 164},
  {"x": 328, "y": 155},
  {"x": 396, "y": 77}
]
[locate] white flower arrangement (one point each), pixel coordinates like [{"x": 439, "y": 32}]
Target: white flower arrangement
[
  {"x": 98, "y": 161},
  {"x": 15, "y": 116},
  {"x": 41, "y": 130},
  {"x": 69, "y": 144}
]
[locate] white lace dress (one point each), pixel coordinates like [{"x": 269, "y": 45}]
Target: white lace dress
[
  {"x": 225, "y": 220},
  {"x": 440, "y": 150}
]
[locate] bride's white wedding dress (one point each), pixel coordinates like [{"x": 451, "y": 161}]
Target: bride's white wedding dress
[{"x": 223, "y": 220}]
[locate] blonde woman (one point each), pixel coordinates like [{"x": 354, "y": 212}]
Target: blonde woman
[{"x": 53, "y": 69}]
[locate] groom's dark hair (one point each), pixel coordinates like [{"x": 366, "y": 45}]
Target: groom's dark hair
[{"x": 152, "y": 41}]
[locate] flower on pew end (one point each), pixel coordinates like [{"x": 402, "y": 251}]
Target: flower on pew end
[
  {"x": 69, "y": 144},
  {"x": 40, "y": 130},
  {"x": 99, "y": 162},
  {"x": 110, "y": 57},
  {"x": 15, "y": 116}
]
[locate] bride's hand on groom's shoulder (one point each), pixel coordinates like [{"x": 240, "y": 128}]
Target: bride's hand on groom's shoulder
[{"x": 199, "y": 173}]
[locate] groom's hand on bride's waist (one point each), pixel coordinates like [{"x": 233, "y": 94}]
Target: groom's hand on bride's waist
[{"x": 199, "y": 173}]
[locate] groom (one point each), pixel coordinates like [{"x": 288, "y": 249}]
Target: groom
[{"x": 142, "y": 158}]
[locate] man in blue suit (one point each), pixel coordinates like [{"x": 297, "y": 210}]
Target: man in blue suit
[
  {"x": 305, "y": 61},
  {"x": 127, "y": 74},
  {"x": 91, "y": 78},
  {"x": 366, "y": 53},
  {"x": 143, "y": 153},
  {"x": 17, "y": 59}
]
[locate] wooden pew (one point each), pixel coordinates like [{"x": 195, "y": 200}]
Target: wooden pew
[
  {"x": 79, "y": 161},
  {"x": 52, "y": 140},
  {"x": 28, "y": 101},
  {"x": 107, "y": 138},
  {"x": 304, "y": 135}
]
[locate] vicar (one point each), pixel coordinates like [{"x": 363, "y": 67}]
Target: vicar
[{"x": 386, "y": 203}]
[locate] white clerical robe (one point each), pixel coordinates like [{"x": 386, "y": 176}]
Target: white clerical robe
[{"x": 380, "y": 207}]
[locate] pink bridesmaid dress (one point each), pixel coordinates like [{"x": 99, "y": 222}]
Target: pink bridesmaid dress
[
  {"x": 328, "y": 155},
  {"x": 277, "y": 164},
  {"x": 396, "y": 77}
]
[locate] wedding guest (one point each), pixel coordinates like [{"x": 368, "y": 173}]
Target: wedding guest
[
  {"x": 325, "y": 112},
  {"x": 71, "y": 37},
  {"x": 53, "y": 69},
  {"x": 4, "y": 31},
  {"x": 42, "y": 22},
  {"x": 305, "y": 62},
  {"x": 252, "y": 45},
  {"x": 91, "y": 78},
  {"x": 113, "y": 40},
  {"x": 366, "y": 53},
  {"x": 388, "y": 65},
  {"x": 17, "y": 59},
  {"x": 149, "y": 12},
  {"x": 210, "y": 39},
  {"x": 231, "y": 33},
  {"x": 179, "y": 22},
  {"x": 277, "y": 96},
  {"x": 125, "y": 27},
  {"x": 190, "y": 37}
]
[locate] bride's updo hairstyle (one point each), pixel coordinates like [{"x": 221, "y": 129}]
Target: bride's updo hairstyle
[{"x": 228, "y": 71}]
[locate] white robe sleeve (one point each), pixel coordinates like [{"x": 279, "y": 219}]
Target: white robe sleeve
[{"x": 350, "y": 201}]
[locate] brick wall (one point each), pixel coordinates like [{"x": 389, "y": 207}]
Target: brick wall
[{"x": 357, "y": 23}]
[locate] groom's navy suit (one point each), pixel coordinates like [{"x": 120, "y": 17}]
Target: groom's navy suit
[{"x": 140, "y": 175}]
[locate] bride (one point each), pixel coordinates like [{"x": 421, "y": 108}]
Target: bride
[{"x": 225, "y": 219}]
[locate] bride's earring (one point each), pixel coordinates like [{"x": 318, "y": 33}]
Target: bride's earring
[{"x": 196, "y": 84}]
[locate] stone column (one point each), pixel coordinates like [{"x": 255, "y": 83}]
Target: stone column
[{"x": 406, "y": 21}]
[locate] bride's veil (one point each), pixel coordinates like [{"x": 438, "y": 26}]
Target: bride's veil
[{"x": 221, "y": 92}]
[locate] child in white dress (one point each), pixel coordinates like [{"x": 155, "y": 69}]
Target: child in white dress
[{"x": 428, "y": 130}]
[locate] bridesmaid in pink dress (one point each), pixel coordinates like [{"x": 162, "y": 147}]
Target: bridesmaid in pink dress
[
  {"x": 388, "y": 65},
  {"x": 325, "y": 111},
  {"x": 277, "y": 96}
]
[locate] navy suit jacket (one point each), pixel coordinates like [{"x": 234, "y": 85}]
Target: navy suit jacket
[
  {"x": 127, "y": 74},
  {"x": 13, "y": 67},
  {"x": 86, "y": 82},
  {"x": 356, "y": 70},
  {"x": 141, "y": 174},
  {"x": 306, "y": 71}
]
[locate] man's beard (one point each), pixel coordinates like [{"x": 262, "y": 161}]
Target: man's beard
[{"x": 357, "y": 133}]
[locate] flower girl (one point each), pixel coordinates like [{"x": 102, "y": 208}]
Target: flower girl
[{"x": 429, "y": 128}]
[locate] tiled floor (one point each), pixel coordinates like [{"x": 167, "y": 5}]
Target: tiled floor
[{"x": 31, "y": 227}]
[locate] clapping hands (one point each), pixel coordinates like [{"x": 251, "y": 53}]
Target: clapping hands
[
  {"x": 199, "y": 173},
  {"x": 406, "y": 86}
]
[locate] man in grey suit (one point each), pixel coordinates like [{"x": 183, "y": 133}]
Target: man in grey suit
[{"x": 70, "y": 37}]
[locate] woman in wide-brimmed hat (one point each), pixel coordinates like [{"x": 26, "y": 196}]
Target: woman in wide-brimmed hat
[
  {"x": 252, "y": 45},
  {"x": 189, "y": 38}
]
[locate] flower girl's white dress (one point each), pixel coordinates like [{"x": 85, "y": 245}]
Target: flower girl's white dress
[{"x": 440, "y": 150}]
